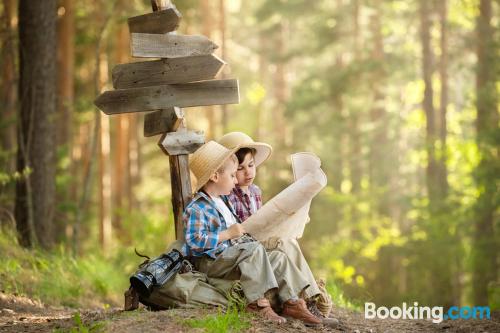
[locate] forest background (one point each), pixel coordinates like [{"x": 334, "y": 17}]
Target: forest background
[{"x": 399, "y": 99}]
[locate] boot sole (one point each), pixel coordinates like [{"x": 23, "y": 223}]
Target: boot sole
[{"x": 288, "y": 318}]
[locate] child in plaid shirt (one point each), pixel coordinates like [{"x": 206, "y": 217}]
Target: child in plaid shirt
[{"x": 219, "y": 247}]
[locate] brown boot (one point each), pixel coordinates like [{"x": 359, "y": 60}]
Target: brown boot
[
  {"x": 297, "y": 309},
  {"x": 327, "y": 321},
  {"x": 262, "y": 307}
]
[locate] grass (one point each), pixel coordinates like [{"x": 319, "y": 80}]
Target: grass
[
  {"x": 232, "y": 319},
  {"x": 339, "y": 298},
  {"x": 58, "y": 278},
  {"x": 80, "y": 327}
]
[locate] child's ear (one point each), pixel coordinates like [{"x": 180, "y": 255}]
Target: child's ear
[{"x": 214, "y": 177}]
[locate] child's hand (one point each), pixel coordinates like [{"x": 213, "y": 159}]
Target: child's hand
[{"x": 234, "y": 231}]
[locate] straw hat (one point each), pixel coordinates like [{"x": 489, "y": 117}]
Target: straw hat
[
  {"x": 241, "y": 140},
  {"x": 208, "y": 159}
]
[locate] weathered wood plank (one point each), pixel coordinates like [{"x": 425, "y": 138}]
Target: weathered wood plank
[
  {"x": 159, "y": 22},
  {"x": 183, "y": 142},
  {"x": 169, "y": 45},
  {"x": 163, "y": 121},
  {"x": 180, "y": 180},
  {"x": 181, "y": 190},
  {"x": 161, "y": 97},
  {"x": 166, "y": 71}
]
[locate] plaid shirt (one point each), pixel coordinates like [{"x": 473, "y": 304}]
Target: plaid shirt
[
  {"x": 246, "y": 204},
  {"x": 202, "y": 225}
]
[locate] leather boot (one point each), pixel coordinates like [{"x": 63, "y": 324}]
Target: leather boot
[
  {"x": 327, "y": 321},
  {"x": 297, "y": 309},
  {"x": 262, "y": 307}
]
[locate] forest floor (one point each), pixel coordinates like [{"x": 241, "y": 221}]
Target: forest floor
[{"x": 21, "y": 314}]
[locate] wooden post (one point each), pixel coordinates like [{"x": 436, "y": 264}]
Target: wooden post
[{"x": 180, "y": 180}]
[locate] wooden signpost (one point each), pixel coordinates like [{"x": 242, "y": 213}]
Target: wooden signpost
[
  {"x": 183, "y": 77},
  {"x": 166, "y": 71},
  {"x": 168, "y": 95}
]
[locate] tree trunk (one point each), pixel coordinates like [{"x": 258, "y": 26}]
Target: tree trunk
[
  {"x": 66, "y": 63},
  {"x": 380, "y": 161},
  {"x": 486, "y": 246},
  {"x": 35, "y": 193},
  {"x": 65, "y": 102},
  {"x": 222, "y": 29},
  {"x": 354, "y": 118},
  {"x": 121, "y": 173},
  {"x": 280, "y": 89},
  {"x": 134, "y": 161},
  {"x": 8, "y": 86},
  {"x": 208, "y": 25},
  {"x": 439, "y": 235},
  {"x": 443, "y": 73},
  {"x": 428, "y": 104},
  {"x": 105, "y": 202}
]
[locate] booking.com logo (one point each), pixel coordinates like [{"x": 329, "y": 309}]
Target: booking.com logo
[{"x": 436, "y": 313}]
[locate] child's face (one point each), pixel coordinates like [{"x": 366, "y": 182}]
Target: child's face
[
  {"x": 227, "y": 178},
  {"x": 246, "y": 171}
]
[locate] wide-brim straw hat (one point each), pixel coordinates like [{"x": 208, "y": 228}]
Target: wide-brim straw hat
[
  {"x": 237, "y": 140},
  {"x": 207, "y": 160}
]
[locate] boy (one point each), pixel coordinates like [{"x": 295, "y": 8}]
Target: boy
[
  {"x": 246, "y": 198},
  {"x": 220, "y": 248}
]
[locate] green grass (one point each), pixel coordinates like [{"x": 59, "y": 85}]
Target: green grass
[
  {"x": 339, "y": 298},
  {"x": 80, "y": 327},
  {"x": 57, "y": 278},
  {"x": 231, "y": 320}
]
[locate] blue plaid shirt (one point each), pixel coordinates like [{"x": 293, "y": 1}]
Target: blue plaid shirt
[{"x": 202, "y": 225}]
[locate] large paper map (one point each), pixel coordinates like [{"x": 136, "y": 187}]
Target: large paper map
[{"x": 286, "y": 215}]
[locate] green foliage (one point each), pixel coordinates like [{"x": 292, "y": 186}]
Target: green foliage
[
  {"x": 339, "y": 299},
  {"x": 58, "y": 278}
]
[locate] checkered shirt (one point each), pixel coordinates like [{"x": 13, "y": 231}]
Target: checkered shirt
[
  {"x": 202, "y": 225},
  {"x": 242, "y": 202}
]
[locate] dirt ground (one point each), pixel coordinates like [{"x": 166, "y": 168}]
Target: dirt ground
[{"x": 21, "y": 314}]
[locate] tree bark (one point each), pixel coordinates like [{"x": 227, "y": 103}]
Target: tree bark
[
  {"x": 65, "y": 102},
  {"x": 354, "y": 119},
  {"x": 222, "y": 29},
  {"x": 105, "y": 202},
  {"x": 380, "y": 161},
  {"x": 66, "y": 63},
  {"x": 428, "y": 104},
  {"x": 280, "y": 88},
  {"x": 443, "y": 73},
  {"x": 8, "y": 85},
  {"x": 486, "y": 246},
  {"x": 208, "y": 26},
  {"x": 35, "y": 193},
  {"x": 121, "y": 173}
]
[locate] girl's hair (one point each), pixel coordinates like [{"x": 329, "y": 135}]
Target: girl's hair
[{"x": 242, "y": 152}]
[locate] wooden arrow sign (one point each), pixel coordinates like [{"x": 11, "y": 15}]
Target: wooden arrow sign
[
  {"x": 159, "y": 22},
  {"x": 182, "y": 142},
  {"x": 163, "y": 121},
  {"x": 170, "y": 46},
  {"x": 161, "y": 97},
  {"x": 166, "y": 71}
]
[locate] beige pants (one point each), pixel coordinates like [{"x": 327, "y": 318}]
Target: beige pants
[
  {"x": 291, "y": 248},
  {"x": 258, "y": 271}
]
